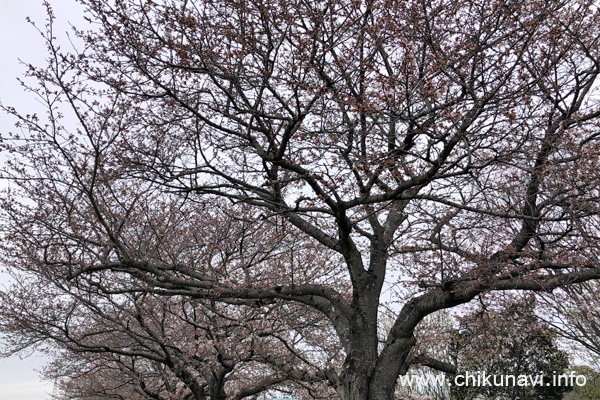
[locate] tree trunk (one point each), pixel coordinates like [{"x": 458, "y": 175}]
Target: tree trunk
[{"x": 359, "y": 380}]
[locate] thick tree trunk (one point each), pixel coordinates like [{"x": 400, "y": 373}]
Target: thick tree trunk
[
  {"x": 361, "y": 358},
  {"x": 360, "y": 382},
  {"x": 359, "y": 379},
  {"x": 355, "y": 386}
]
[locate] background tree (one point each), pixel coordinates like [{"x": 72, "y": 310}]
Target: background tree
[
  {"x": 199, "y": 354},
  {"x": 440, "y": 149},
  {"x": 573, "y": 312},
  {"x": 509, "y": 340},
  {"x": 156, "y": 348},
  {"x": 96, "y": 376},
  {"x": 591, "y": 390},
  {"x": 131, "y": 344}
]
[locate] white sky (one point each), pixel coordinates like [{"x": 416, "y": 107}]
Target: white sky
[{"x": 18, "y": 378}]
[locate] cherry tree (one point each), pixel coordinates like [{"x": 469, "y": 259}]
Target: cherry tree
[
  {"x": 434, "y": 150},
  {"x": 163, "y": 349},
  {"x": 113, "y": 339}
]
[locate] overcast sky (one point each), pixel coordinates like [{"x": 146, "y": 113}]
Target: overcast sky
[{"x": 18, "y": 378}]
